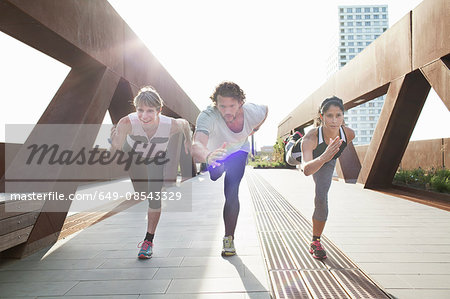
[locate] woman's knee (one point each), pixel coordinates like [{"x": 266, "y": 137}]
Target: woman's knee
[
  {"x": 320, "y": 209},
  {"x": 154, "y": 204},
  {"x": 320, "y": 214}
]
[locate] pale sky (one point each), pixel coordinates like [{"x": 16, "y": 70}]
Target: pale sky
[{"x": 276, "y": 52}]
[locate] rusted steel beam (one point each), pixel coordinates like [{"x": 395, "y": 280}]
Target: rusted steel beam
[
  {"x": 402, "y": 62},
  {"x": 349, "y": 164},
  {"x": 438, "y": 74},
  {"x": 117, "y": 108},
  {"x": 402, "y": 107},
  {"x": 364, "y": 78},
  {"x": 109, "y": 65},
  {"x": 420, "y": 38},
  {"x": 431, "y": 32},
  {"x": 90, "y": 91},
  {"x": 78, "y": 32}
]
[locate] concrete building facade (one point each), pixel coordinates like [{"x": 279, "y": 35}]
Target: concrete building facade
[{"x": 359, "y": 26}]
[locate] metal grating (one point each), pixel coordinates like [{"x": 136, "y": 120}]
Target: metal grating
[
  {"x": 259, "y": 206},
  {"x": 336, "y": 258},
  {"x": 284, "y": 235},
  {"x": 300, "y": 221},
  {"x": 288, "y": 284},
  {"x": 282, "y": 222},
  {"x": 277, "y": 256},
  {"x": 323, "y": 285},
  {"x": 357, "y": 285},
  {"x": 299, "y": 250},
  {"x": 265, "y": 223}
]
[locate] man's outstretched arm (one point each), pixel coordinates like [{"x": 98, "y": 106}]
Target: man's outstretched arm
[{"x": 200, "y": 150}]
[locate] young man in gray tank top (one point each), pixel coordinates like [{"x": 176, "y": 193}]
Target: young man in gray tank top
[{"x": 221, "y": 141}]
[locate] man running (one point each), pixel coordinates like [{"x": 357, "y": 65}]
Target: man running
[{"x": 221, "y": 141}]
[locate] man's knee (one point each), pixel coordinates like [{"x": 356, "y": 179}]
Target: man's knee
[
  {"x": 231, "y": 190},
  {"x": 216, "y": 172},
  {"x": 232, "y": 203}
]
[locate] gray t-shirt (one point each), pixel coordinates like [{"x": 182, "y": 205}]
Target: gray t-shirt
[{"x": 211, "y": 122}]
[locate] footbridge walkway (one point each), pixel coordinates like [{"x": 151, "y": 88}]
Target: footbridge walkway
[{"x": 379, "y": 246}]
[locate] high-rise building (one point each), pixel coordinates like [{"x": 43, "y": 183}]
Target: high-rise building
[{"x": 358, "y": 27}]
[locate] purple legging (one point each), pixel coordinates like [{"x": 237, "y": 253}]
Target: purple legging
[{"x": 234, "y": 166}]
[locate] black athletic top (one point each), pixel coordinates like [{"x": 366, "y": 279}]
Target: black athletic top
[{"x": 322, "y": 146}]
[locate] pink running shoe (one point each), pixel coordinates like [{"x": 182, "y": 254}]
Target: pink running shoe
[
  {"x": 317, "y": 250},
  {"x": 146, "y": 251}
]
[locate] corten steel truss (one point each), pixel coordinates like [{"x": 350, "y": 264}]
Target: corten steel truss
[
  {"x": 109, "y": 63},
  {"x": 403, "y": 63}
]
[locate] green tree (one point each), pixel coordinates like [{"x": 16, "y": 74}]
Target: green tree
[{"x": 278, "y": 154}]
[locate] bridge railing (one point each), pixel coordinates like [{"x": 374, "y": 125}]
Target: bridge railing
[
  {"x": 403, "y": 63},
  {"x": 109, "y": 64}
]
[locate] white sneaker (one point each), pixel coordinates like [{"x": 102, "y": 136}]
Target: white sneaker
[{"x": 228, "y": 246}]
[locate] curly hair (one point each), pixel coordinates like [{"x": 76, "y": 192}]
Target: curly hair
[{"x": 228, "y": 89}]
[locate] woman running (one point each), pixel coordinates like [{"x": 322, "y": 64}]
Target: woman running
[
  {"x": 147, "y": 132},
  {"x": 320, "y": 149}
]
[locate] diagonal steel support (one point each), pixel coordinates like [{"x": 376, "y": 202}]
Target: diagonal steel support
[{"x": 403, "y": 104}]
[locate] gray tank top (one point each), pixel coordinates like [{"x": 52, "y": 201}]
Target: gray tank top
[{"x": 160, "y": 139}]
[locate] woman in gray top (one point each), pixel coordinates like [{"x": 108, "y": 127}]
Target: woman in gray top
[{"x": 147, "y": 132}]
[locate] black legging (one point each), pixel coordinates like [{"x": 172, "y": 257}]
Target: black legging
[{"x": 234, "y": 166}]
